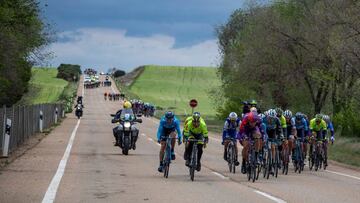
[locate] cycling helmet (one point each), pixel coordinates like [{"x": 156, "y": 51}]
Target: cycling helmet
[
  {"x": 253, "y": 102},
  {"x": 272, "y": 113},
  {"x": 233, "y": 116},
  {"x": 279, "y": 111},
  {"x": 127, "y": 105},
  {"x": 262, "y": 116},
  {"x": 288, "y": 114},
  {"x": 298, "y": 115},
  {"x": 326, "y": 118},
  {"x": 169, "y": 115},
  {"x": 318, "y": 117},
  {"x": 196, "y": 116}
]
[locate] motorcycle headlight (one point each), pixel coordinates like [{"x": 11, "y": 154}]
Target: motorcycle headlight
[{"x": 127, "y": 125}]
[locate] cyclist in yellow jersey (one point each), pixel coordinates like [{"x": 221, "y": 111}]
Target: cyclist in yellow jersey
[
  {"x": 195, "y": 129},
  {"x": 318, "y": 129}
]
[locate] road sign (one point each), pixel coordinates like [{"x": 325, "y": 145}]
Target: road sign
[{"x": 193, "y": 103}]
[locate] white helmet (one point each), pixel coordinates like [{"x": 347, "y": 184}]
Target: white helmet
[
  {"x": 287, "y": 114},
  {"x": 272, "y": 113},
  {"x": 233, "y": 116}
]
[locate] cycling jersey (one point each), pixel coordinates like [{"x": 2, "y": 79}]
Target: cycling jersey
[
  {"x": 196, "y": 132},
  {"x": 230, "y": 128},
  {"x": 273, "y": 127},
  {"x": 282, "y": 121},
  {"x": 317, "y": 127},
  {"x": 189, "y": 120},
  {"x": 165, "y": 128}
]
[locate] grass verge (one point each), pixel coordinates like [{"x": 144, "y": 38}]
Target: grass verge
[{"x": 345, "y": 150}]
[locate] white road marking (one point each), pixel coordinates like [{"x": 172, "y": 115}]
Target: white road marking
[
  {"x": 53, "y": 187},
  {"x": 220, "y": 175},
  {"x": 150, "y": 139},
  {"x": 270, "y": 197},
  {"x": 342, "y": 174},
  {"x": 143, "y": 134}
]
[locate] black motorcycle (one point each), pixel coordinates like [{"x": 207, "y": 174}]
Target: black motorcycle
[
  {"x": 79, "y": 111},
  {"x": 127, "y": 133}
]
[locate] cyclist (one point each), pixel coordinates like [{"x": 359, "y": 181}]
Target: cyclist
[
  {"x": 290, "y": 131},
  {"x": 249, "y": 129},
  {"x": 230, "y": 131},
  {"x": 105, "y": 96},
  {"x": 273, "y": 130},
  {"x": 318, "y": 129},
  {"x": 300, "y": 127},
  {"x": 280, "y": 115},
  {"x": 330, "y": 127},
  {"x": 195, "y": 129},
  {"x": 168, "y": 125}
]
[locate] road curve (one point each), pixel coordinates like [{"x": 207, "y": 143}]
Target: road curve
[{"x": 96, "y": 171}]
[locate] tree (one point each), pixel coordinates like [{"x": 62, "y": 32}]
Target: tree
[
  {"x": 119, "y": 73},
  {"x": 22, "y": 35}
]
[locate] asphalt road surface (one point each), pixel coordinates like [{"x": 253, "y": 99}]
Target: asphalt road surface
[{"x": 77, "y": 162}]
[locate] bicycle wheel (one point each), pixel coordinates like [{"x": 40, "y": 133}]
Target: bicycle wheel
[
  {"x": 276, "y": 162},
  {"x": 166, "y": 170},
  {"x": 265, "y": 162},
  {"x": 193, "y": 162},
  {"x": 230, "y": 156},
  {"x": 270, "y": 163}
]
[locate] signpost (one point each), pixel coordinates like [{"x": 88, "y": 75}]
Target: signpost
[{"x": 193, "y": 103}]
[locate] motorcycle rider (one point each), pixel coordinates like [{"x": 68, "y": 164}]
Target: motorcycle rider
[
  {"x": 118, "y": 129},
  {"x": 79, "y": 104},
  {"x": 230, "y": 131},
  {"x": 168, "y": 125}
]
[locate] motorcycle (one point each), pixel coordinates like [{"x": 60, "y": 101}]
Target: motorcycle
[
  {"x": 79, "y": 111},
  {"x": 127, "y": 134}
]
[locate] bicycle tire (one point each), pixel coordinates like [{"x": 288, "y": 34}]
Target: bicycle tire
[
  {"x": 166, "y": 171},
  {"x": 276, "y": 162},
  {"x": 193, "y": 162}
]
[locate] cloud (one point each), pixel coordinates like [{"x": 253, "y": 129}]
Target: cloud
[{"x": 106, "y": 48}]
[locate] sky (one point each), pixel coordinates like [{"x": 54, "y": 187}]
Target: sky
[{"x": 125, "y": 34}]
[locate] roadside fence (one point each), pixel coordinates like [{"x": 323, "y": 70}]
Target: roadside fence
[{"x": 18, "y": 123}]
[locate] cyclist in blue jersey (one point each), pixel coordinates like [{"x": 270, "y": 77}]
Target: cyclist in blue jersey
[
  {"x": 231, "y": 125},
  {"x": 168, "y": 125}
]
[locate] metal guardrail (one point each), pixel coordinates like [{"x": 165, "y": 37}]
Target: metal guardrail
[{"x": 18, "y": 123}]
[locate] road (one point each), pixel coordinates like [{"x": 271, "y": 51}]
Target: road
[{"x": 93, "y": 170}]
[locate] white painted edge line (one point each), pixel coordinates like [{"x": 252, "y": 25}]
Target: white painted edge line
[
  {"x": 270, "y": 197},
  {"x": 55, "y": 182},
  {"x": 220, "y": 175},
  {"x": 343, "y": 174}
]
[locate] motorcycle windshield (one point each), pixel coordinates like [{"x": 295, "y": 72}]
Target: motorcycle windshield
[{"x": 127, "y": 115}]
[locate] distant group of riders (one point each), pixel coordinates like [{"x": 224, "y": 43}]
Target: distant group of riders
[
  {"x": 145, "y": 108},
  {"x": 113, "y": 96}
]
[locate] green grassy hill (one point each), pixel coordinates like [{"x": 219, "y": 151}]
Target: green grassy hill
[
  {"x": 44, "y": 87},
  {"x": 173, "y": 87}
]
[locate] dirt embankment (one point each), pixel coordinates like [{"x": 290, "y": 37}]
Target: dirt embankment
[{"x": 129, "y": 78}]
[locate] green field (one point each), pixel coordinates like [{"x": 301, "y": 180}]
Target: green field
[
  {"x": 44, "y": 87},
  {"x": 173, "y": 87}
]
